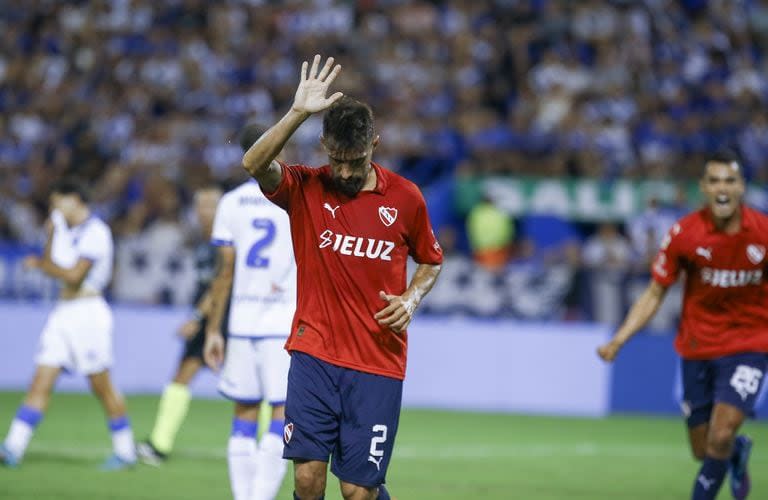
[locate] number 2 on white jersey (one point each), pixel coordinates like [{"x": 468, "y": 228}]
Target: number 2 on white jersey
[{"x": 255, "y": 257}]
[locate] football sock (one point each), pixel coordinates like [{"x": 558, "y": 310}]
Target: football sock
[
  {"x": 171, "y": 412},
  {"x": 738, "y": 444},
  {"x": 241, "y": 457},
  {"x": 270, "y": 466},
  {"x": 122, "y": 438},
  {"x": 383, "y": 493},
  {"x": 709, "y": 479},
  {"x": 22, "y": 428}
]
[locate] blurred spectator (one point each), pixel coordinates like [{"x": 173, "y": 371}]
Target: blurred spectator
[
  {"x": 490, "y": 232},
  {"x": 133, "y": 93},
  {"x": 607, "y": 256}
]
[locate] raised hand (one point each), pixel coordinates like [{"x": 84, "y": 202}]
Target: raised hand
[{"x": 310, "y": 95}]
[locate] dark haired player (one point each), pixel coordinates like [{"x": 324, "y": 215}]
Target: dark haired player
[
  {"x": 78, "y": 334},
  {"x": 723, "y": 334},
  {"x": 354, "y": 224}
]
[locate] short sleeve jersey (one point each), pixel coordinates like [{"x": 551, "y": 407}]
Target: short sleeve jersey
[
  {"x": 725, "y": 302},
  {"x": 263, "y": 297},
  {"x": 347, "y": 251},
  {"x": 90, "y": 240}
]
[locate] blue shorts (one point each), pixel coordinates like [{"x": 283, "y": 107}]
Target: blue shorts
[
  {"x": 344, "y": 414},
  {"x": 734, "y": 379}
]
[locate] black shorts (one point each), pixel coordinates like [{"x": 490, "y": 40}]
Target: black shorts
[
  {"x": 193, "y": 348},
  {"x": 734, "y": 379}
]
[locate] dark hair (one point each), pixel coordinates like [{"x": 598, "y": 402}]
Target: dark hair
[
  {"x": 723, "y": 156},
  {"x": 250, "y": 134},
  {"x": 72, "y": 185},
  {"x": 348, "y": 125}
]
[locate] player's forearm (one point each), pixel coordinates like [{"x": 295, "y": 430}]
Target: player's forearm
[
  {"x": 67, "y": 276},
  {"x": 422, "y": 282},
  {"x": 219, "y": 295},
  {"x": 641, "y": 313},
  {"x": 203, "y": 306},
  {"x": 260, "y": 155}
]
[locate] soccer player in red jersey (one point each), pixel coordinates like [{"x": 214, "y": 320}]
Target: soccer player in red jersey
[
  {"x": 354, "y": 224},
  {"x": 723, "y": 334}
]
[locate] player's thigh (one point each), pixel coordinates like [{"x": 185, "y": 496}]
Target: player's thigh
[
  {"x": 312, "y": 409},
  {"x": 369, "y": 424},
  {"x": 739, "y": 379},
  {"x": 239, "y": 380},
  {"x": 89, "y": 332},
  {"x": 53, "y": 348},
  {"x": 698, "y": 391},
  {"x": 274, "y": 363}
]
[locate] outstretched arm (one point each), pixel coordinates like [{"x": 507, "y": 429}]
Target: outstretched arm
[
  {"x": 310, "y": 98},
  {"x": 642, "y": 311},
  {"x": 400, "y": 309}
]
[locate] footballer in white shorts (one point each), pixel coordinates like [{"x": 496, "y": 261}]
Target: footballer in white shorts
[
  {"x": 78, "y": 336},
  {"x": 256, "y": 264},
  {"x": 255, "y": 369}
]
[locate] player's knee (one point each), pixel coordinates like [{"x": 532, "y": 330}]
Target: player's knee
[
  {"x": 354, "y": 492},
  {"x": 720, "y": 441},
  {"x": 309, "y": 483},
  {"x": 699, "y": 453}
]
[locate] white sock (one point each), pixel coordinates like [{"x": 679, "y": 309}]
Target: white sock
[
  {"x": 271, "y": 468},
  {"x": 22, "y": 429},
  {"x": 122, "y": 439},
  {"x": 241, "y": 458},
  {"x": 18, "y": 437}
]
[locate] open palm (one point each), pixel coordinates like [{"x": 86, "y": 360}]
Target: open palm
[{"x": 310, "y": 96}]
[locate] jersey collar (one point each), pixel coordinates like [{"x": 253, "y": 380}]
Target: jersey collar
[
  {"x": 382, "y": 179},
  {"x": 747, "y": 221}
]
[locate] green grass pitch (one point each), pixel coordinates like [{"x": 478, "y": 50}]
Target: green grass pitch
[{"x": 438, "y": 455}]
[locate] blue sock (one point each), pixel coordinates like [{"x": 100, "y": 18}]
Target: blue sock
[
  {"x": 28, "y": 415},
  {"x": 738, "y": 444},
  {"x": 709, "y": 479},
  {"x": 119, "y": 423},
  {"x": 277, "y": 426},
  {"x": 383, "y": 493},
  {"x": 244, "y": 428}
]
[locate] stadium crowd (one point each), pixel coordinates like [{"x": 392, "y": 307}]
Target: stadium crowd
[{"x": 145, "y": 99}]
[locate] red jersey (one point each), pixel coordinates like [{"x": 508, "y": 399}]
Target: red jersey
[
  {"x": 347, "y": 249},
  {"x": 725, "y": 304}
]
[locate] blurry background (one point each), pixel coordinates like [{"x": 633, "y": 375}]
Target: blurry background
[{"x": 555, "y": 141}]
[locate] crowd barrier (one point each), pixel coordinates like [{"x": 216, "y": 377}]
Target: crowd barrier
[{"x": 454, "y": 363}]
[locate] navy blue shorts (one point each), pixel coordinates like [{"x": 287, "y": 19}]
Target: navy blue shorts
[
  {"x": 347, "y": 415},
  {"x": 735, "y": 380}
]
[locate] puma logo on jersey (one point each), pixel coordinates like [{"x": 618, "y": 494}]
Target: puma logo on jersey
[
  {"x": 704, "y": 252},
  {"x": 355, "y": 246},
  {"x": 331, "y": 209},
  {"x": 376, "y": 461},
  {"x": 727, "y": 278}
]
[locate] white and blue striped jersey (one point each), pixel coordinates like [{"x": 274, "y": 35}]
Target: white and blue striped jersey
[{"x": 264, "y": 288}]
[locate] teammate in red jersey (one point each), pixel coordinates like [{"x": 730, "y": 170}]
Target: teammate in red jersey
[
  {"x": 353, "y": 225},
  {"x": 723, "y": 334}
]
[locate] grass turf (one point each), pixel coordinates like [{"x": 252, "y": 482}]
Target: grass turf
[{"x": 438, "y": 455}]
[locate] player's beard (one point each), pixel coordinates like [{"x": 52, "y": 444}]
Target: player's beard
[{"x": 350, "y": 186}]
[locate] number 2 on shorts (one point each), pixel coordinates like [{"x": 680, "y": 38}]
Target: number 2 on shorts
[{"x": 376, "y": 454}]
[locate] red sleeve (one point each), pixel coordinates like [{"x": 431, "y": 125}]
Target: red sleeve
[
  {"x": 422, "y": 244},
  {"x": 666, "y": 266},
  {"x": 289, "y": 185}
]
